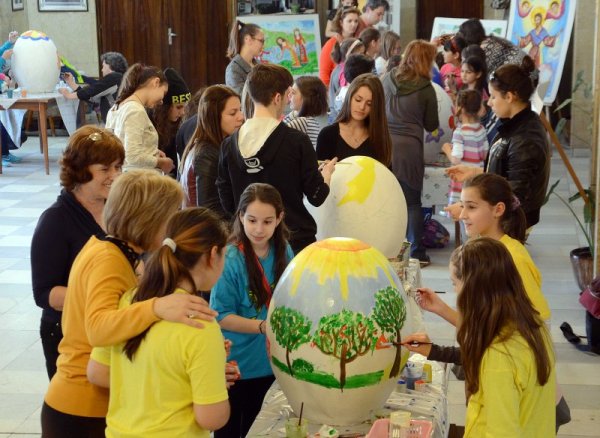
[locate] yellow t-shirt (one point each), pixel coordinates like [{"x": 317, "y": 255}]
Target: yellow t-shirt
[
  {"x": 99, "y": 276},
  {"x": 510, "y": 402},
  {"x": 175, "y": 367},
  {"x": 531, "y": 277}
]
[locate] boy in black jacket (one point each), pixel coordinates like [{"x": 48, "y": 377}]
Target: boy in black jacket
[{"x": 265, "y": 150}]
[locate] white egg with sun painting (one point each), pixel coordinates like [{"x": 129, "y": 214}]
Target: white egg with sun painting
[{"x": 366, "y": 203}]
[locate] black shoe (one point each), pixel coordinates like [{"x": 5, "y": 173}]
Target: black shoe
[
  {"x": 424, "y": 261},
  {"x": 565, "y": 327}
]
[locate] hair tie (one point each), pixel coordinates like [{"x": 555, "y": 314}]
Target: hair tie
[
  {"x": 515, "y": 203},
  {"x": 170, "y": 243}
]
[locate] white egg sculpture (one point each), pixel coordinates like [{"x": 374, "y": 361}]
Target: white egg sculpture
[
  {"x": 336, "y": 321},
  {"x": 366, "y": 203},
  {"x": 433, "y": 141},
  {"x": 35, "y": 62}
]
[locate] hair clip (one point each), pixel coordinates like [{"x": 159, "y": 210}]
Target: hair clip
[{"x": 95, "y": 136}]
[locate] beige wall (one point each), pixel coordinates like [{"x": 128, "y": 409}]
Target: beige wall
[
  {"x": 74, "y": 33},
  {"x": 583, "y": 60}
]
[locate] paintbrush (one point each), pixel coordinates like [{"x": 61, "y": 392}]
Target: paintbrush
[{"x": 412, "y": 343}]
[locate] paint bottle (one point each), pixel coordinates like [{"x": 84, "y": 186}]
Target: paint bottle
[
  {"x": 401, "y": 386},
  {"x": 427, "y": 373}
]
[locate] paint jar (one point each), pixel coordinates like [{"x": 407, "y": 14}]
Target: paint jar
[
  {"x": 23, "y": 92},
  {"x": 427, "y": 373},
  {"x": 420, "y": 385},
  {"x": 401, "y": 386},
  {"x": 294, "y": 428},
  {"x": 399, "y": 424},
  {"x": 9, "y": 93}
]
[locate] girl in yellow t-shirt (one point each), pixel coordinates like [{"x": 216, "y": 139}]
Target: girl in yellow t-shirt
[
  {"x": 170, "y": 379},
  {"x": 505, "y": 347}
]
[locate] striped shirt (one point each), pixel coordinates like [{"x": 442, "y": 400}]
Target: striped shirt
[
  {"x": 470, "y": 145},
  {"x": 311, "y": 126}
]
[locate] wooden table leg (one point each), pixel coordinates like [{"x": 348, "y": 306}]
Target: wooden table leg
[{"x": 43, "y": 134}]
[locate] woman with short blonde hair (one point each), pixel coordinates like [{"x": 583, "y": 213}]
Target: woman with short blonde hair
[{"x": 138, "y": 207}]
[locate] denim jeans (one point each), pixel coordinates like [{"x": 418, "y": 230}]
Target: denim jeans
[{"x": 414, "y": 231}]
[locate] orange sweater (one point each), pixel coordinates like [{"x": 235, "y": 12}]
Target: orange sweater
[
  {"x": 326, "y": 64},
  {"x": 98, "y": 278}
]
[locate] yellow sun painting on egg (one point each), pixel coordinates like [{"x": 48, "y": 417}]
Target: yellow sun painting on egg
[{"x": 342, "y": 258}]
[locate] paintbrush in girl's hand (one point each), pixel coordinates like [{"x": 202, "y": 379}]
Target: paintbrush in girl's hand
[{"x": 411, "y": 343}]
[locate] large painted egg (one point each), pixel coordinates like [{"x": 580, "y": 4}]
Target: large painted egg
[
  {"x": 366, "y": 202},
  {"x": 35, "y": 62},
  {"x": 336, "y": 320},
  {"x": 433, "y": 141}
]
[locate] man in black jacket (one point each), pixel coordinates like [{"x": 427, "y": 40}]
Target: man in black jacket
[{"x": 265, "y": 150}]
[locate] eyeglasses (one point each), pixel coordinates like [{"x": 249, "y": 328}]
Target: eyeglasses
[{"x": 262, "y": 40}]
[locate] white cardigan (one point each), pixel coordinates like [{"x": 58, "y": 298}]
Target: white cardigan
[{"x": 130, "y": 122}]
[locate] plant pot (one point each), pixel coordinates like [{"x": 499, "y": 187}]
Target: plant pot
[{"x": 582, "y": 262}]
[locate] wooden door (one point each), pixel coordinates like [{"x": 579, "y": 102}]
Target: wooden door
[
  {"x": 427, "y": 10},
  {"x": 140, "y": 31}
]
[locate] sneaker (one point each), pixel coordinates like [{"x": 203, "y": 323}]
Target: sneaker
[
  {"x": 12, "y": 158},
  {"x": 424, "y": 261},
  {"x": 565, "y": 327},
  {"x": 6, "y": 162}
]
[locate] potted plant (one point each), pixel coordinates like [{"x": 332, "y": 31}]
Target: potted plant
[{"x": 581, "y": 258}]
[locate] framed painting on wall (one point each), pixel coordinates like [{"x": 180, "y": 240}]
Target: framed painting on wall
[
  {"x": 62, "y": 5},
  {"x": 542, "y": 28},
  {"x": 445, "y": 25},
  {"x": 292, "y": 41},
  {"x": 18, "y": 5}
]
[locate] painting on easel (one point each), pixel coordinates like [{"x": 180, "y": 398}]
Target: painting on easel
[
  {"x": 292, "y": 41},
  {"x": 542, "y": 28}
]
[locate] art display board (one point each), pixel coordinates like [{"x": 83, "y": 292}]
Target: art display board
[
  {"x": 292, "y": 41},
  {"x": 445, "y": 26},
  {"x": 543, "y": 29}
]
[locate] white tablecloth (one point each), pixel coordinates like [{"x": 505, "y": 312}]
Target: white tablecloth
[{"x": 12, "y": 119}]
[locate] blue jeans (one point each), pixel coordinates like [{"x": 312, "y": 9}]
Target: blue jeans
[{"x": 414, "y": 231}]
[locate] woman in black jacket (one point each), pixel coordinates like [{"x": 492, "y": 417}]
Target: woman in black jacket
[
  {"x": 520, "y": 152},
  {"x": 219, "y": 115},
  {"x": 90, "y": 163}
]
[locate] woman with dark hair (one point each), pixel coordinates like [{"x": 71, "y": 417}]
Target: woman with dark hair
[
  {"x": 246, "y": 42},
  {"x": 361, "y": 126},
  {"x": 371, "y": 38},
  {"x": 411, "y": 107},
  {"x": 254, "y": 261},
  {"x": 188, "y": 123},
  {"x": 308, "y": 102},
  {"x": 219, "y": 115},
  {"x": 505, "y": 347},
  {"x": 498, "y": 51},
  {"x": 114, "y": 66},
  {"x": 520, "y": 151},
  {"x": 88, "y": 167},
  {"x": 167, "y": 354},
  {"x": 142, "y": 87},
  {"x": 166, "y": 116}
]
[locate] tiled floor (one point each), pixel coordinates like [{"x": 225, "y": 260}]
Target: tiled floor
[{"x": 25, "y": 191}]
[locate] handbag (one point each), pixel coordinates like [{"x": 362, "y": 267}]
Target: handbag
[{"x": 591, "y": 301}]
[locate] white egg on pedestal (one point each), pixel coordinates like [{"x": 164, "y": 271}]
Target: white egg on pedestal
[
  {"x": 35, "y": 62},
  {"x": 366, "y": 203},
  {"x": 433, "y": 141}
]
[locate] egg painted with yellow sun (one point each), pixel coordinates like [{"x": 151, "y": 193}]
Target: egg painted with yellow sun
[
  {"x": 335, "y": 324},
  {"x": 365, "y": 202}
]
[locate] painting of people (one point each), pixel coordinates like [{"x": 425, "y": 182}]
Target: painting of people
[
  {"x": 542, "y": 28},
  {"x": 292, "y": 41}
]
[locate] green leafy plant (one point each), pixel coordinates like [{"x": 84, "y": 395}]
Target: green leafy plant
[
  {"x": 589, "y": 212},
  {"x": 587, "y": 90}
]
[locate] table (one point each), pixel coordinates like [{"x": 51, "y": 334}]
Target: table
[
  {"x": 39, "y": 102},
  {"x": 432, "y": 405}
]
